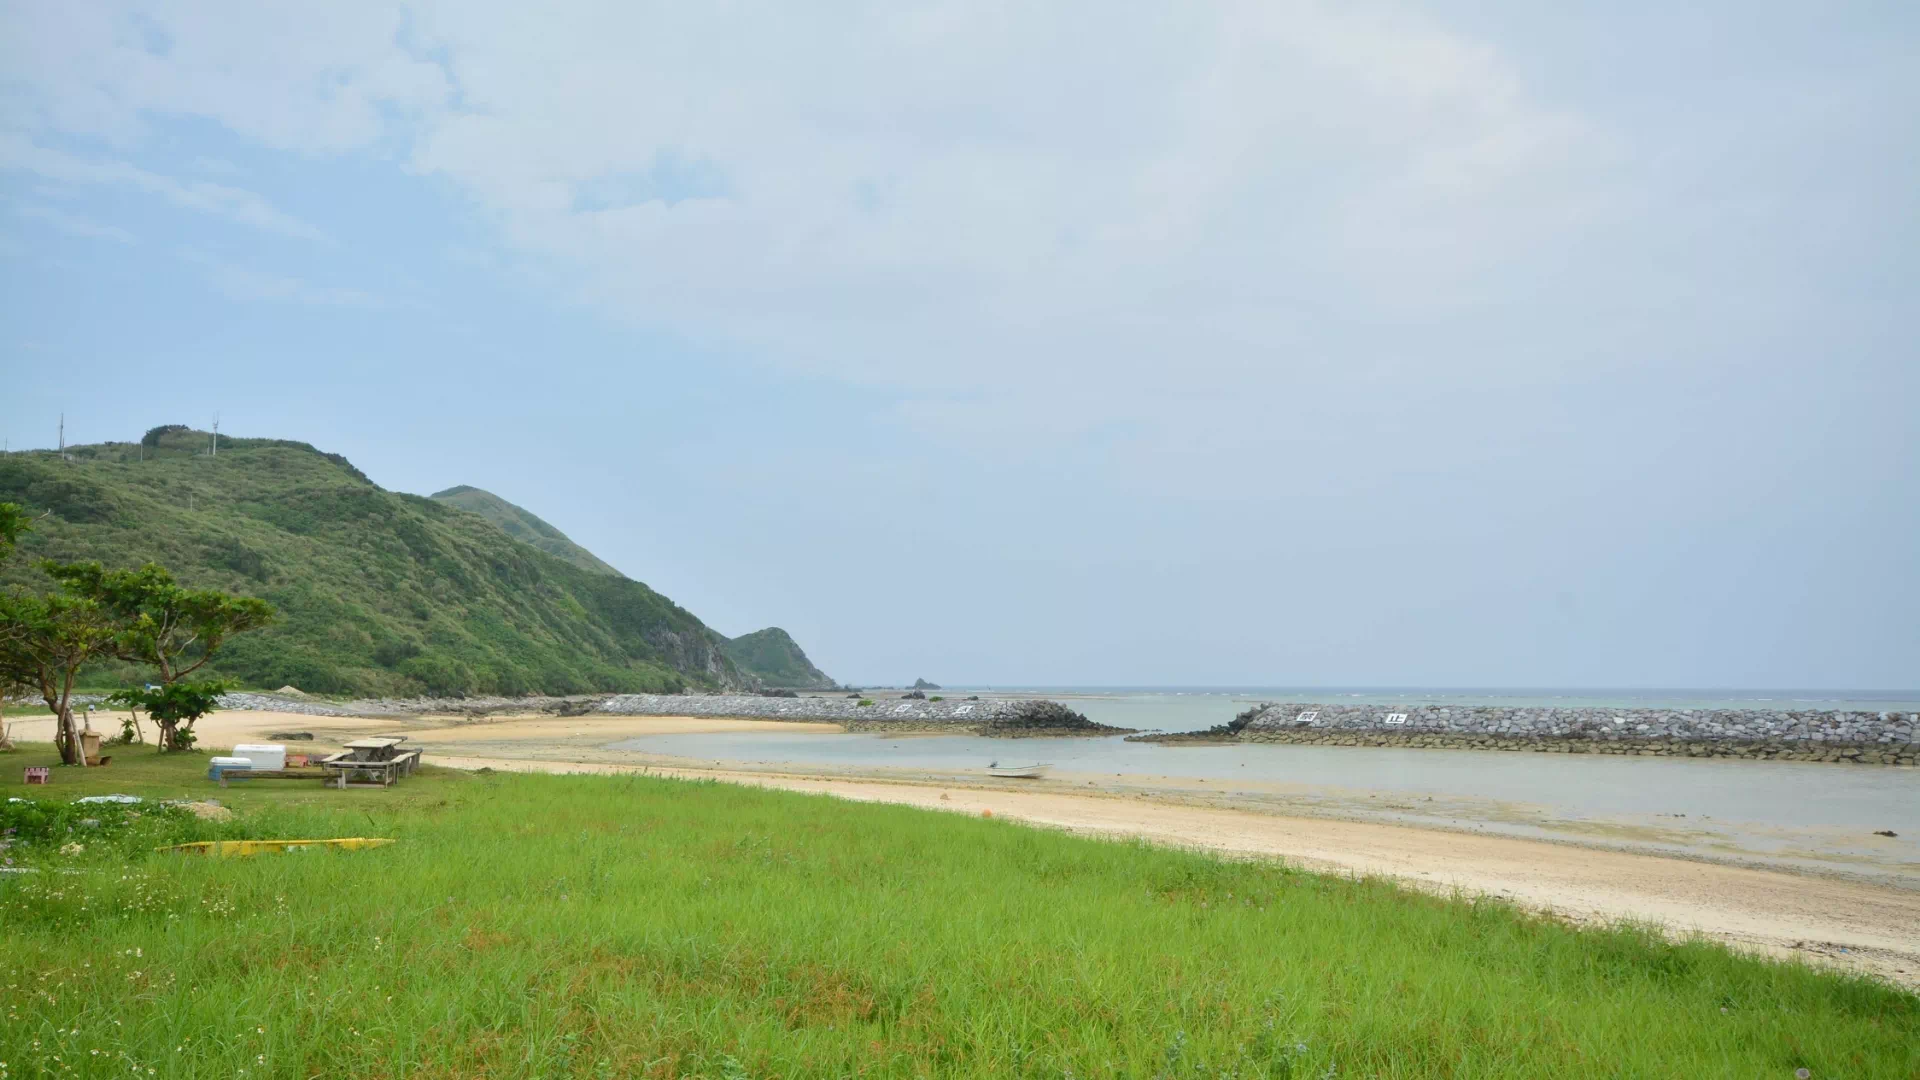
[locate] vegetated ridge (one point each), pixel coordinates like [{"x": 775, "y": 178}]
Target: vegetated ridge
[
  {"x": 773, "y": 657},
  {"x": 770, "y": 656},
  {"x": 379, "y": 592},
  {"x": 523, "y": 526}
]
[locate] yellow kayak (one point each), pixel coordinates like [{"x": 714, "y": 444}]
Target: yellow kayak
[{"x": 263, "y": 847}]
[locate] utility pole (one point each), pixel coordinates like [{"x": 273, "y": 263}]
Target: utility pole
[{"x": 63, "y": 436}]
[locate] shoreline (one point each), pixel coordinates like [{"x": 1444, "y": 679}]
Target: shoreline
[
  {"x": 1857, "y": 925},
  {"x": 1834, "y": 917}
]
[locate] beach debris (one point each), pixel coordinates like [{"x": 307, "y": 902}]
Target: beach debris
[
  {"x": 1885, "y": 832},
  {"x": 292, "y": 736}
]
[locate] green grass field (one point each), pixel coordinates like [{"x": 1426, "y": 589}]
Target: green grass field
[{"x": 535, "y": 926}]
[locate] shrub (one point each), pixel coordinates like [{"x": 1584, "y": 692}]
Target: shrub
[{"x": 152, "y": 437}]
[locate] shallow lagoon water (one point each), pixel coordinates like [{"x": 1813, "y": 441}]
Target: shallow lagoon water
[{"x": 1794, "y": 814}]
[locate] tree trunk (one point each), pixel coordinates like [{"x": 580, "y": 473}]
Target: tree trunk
[{"x": 71, "y": 753}]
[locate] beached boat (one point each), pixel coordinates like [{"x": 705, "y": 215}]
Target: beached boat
[
  {"x": 263, "y": 847},
  {"x": 1018, "y": 772}
]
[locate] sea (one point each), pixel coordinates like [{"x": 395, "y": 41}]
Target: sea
[{"x": 1802, "y": 815}]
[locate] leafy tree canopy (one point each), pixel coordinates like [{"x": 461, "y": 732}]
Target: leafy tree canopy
[
  {"x": 174, "y": 706},
  {"x": 152, "y": 437},
  {"x": 13, "y": 522},
  {"x": 175, "y": 629},
  {"x": 44, "y": 642}
]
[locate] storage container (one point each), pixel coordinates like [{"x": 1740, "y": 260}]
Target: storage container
[
  {"x": 263, "y": 755},
  {"x": 235, "y": 765}
]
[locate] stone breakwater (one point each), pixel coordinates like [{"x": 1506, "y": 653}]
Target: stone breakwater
[
  {"x": 1876, "y": 738},
  {"x": 1003, "y": 718},
  {"x": 999, "y": 717}
]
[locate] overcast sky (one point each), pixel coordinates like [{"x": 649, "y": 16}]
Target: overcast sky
[{"x": 1280, "y": 343}]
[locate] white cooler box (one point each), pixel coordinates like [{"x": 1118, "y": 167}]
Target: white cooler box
[
  {"x": 263, "y": 755},
  {"x": 220, "y": 766}
]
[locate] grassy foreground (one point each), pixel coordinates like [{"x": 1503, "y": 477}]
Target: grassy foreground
[{"x": 596, "y": 926}]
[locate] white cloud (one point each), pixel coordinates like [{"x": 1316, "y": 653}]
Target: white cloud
[
  {"x": 939, "y": 195},
  {"x": 244, "y": 283},
  {"x": 1019, "y": 212},
  {"x": 311, "y": 78},
  {"x": 74, "y": 224},
  {"x": 235, "y": 204},
  {"x": 966, "y": 196}
]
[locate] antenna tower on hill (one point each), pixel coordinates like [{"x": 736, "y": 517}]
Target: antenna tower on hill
[{"x": 215, "y": 451}]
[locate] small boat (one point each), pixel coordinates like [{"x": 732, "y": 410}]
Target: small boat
[
  {"x": 1017, "y": 772},
  {"x": 264, "y": 847}
]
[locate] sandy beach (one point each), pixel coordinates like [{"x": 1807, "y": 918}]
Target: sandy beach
[{"x": 1865, "y": 925}]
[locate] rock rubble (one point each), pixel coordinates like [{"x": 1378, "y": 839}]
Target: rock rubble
[
  {"x": 1000, "y": 718},
  {"x": 1790, "y": 735}
]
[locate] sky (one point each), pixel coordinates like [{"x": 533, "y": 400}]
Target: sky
[{"x": 1285, "y": 343}]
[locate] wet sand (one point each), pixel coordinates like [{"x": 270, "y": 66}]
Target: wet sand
[{"x": 1869, "y": 926}]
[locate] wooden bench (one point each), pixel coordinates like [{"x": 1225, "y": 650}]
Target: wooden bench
[{"x": 272, "y": 774}]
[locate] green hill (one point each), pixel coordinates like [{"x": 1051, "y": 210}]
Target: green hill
[
  {"x": 775, "y": 659},
  {"x": 379, "y": 592},
  {"x": 522, "y": 526},
  {"x": 770, "y": 656}
]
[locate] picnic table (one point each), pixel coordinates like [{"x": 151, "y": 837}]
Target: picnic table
[{"x": 375, "y": 761}]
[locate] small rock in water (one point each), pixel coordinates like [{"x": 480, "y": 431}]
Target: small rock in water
[{"x": 1885, "y": 832}]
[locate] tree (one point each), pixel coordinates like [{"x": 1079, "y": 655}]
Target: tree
[
  {"x": 174, "y": 707},
  {"x": 13, "y": 522},
  {"x": 175, "y": 629},
  {"x": 44, "y": 642}
]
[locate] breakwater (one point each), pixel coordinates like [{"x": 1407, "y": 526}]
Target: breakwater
[
  {"x": 999, "y": 717},
  {"x": 1025, "y": 717},
  {"x": 1875, "y": 738}
]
